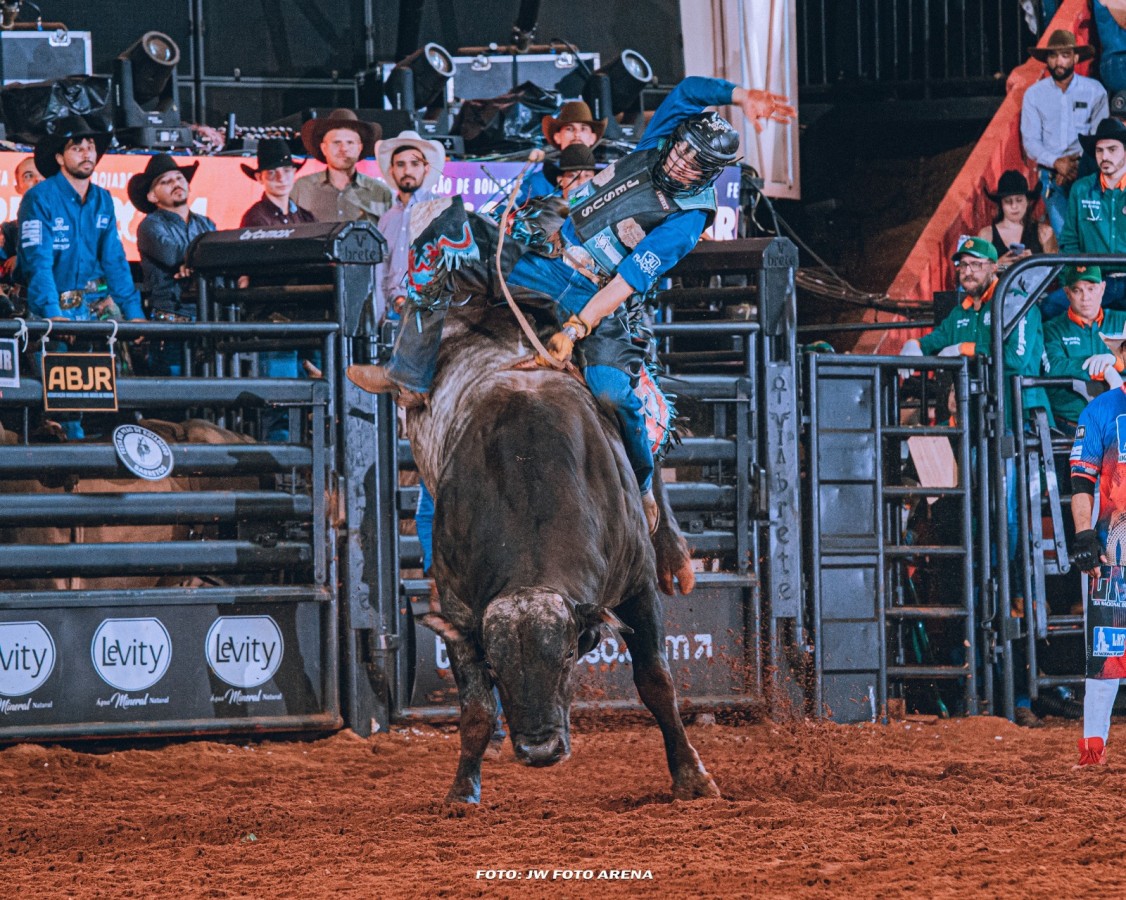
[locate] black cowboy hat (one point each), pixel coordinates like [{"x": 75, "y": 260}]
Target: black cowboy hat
[
  {"x": 1110, "y": 129},
  {"x": 575, "y": 158},
  {"x": 1062, "y": 39},
  {"x": 273, "y": 153},
  {"x": 1011, "y": 184},
  {"x": 68, "y": 128},
  {"x": 140, "y": 184},
  {"x": 314, "y": 131}
]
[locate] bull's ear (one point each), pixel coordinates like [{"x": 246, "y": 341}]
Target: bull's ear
[
  {"x": 592, "y": 615},
  {"x": 614, "y": 622},
  {"x": 442, "y": 625}
]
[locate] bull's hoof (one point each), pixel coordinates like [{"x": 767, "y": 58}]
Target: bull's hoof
[
  {"x": 695, "y": 786},
  {"x": 464, "y": 793}
]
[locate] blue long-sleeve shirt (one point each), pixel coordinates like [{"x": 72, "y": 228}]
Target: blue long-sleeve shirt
[
  {"x": 672, "y": 240},
  {"x": 66, "y": 243}
]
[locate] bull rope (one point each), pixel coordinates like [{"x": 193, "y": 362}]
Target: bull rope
[{"x": 529, "y": 332}]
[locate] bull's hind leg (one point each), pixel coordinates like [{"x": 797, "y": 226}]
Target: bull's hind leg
[
  {"x": 478, "y": 717},
  {"x": 654, "y": 685}
]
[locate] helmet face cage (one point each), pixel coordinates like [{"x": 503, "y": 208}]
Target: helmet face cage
[{"x": 706, "y": 144}]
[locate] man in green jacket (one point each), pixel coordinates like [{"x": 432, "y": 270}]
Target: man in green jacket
[
  {"x": 1073, "y": 347},
  {"x": 966, "y": 330},
  {"x": 1096, "y": 208}
]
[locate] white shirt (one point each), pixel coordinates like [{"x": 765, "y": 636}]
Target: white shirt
[
  {"x": 1051, "y": 120},
  {"x": 395, "y": 226}
]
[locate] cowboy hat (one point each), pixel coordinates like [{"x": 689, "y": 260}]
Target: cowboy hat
[
  {"x": 273, "y": 153},
  {"x": 1110, "y": 129},
  {"x": 1062, "y": 39},
  {"x": 576, "y": 111},
  {"x": 140, "y": 184},
  {"x": 314, "y": 131},
  {"x": 432, "y": 151},
  {"x": 575, "y": 158},
  {"x": 68, "y": 128},
  {"x": 1012, "y": 184}
]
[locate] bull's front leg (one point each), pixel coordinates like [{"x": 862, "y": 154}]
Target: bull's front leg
[
  {"x": 654, "y": 684},
  {"x": 478, "y": 715}
]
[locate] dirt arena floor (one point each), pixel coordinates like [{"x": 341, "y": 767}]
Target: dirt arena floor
[{"x": 967, "y": 808}]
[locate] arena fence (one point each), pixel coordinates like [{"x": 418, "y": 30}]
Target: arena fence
[{"x": 205, "y": 601}]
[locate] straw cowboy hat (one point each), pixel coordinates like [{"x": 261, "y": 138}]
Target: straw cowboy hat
[
  {"x": 273, "y": 153},
  {"x": 1062, "y": 39},
  {"x": 68, "y": 128},
  {"x": 572, "y": 112},
  {"x": 1013, "y": 184},
  {"x": 140, "y": 184},
  {"x": 432, "y": 151},
  {"x": 314, "y": 131}
]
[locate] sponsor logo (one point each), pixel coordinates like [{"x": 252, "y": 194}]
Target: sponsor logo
[
  {"x": 27, "y": 658},
  {"x": 1070, "y": 341},
  {"x": 244, "y": 651},
  {"x": 101, "y": 221},
  {"x": 60, "y": 224},
  {"x": 590, "y": 207},
  {"x": 131, "y": 654},
  {"x": 649, "y": 263},
  {"x": 265, "y": 234},
  {"x": 144, "y": 453},
  {"x": 1109, "y": 642},
  {"x": 1080, "y": 432},
  {"x": 31, "y": 233},
  {"x": 1120, "y": 432}
]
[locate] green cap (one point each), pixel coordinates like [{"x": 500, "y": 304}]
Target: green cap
[
  {"x": 979, "y": 247},
  {"x": 1072, "y": 274}
]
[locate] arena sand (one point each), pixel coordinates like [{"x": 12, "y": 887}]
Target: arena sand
[{"x": 966, "y": 808}]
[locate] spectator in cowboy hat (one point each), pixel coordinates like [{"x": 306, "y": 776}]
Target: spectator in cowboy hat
[
  {"x": 69, "y": 243},
  {"x": 1015, "y": 222},
  {"x": 413, "y": 165},
  {"x": 341, "y": 193},
  {"x": 70, "y": 250},
  {"x": 574, "y": 168},
  {"x": 1096, "y": 219},
  {"x": 161, "y": 191},
  {"x": 575, "y": 124},
  {"x": 276, "y": 172},
  {"x": 1054, "y": 113}
]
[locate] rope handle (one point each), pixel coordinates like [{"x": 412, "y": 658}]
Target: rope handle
[{"x": 529, "y": 332}]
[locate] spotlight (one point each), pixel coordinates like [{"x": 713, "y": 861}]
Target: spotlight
[
  {"x": 620, "y": 83},
  {"x": 147, "y": 92},
  {"x": 419, "y": 80}
]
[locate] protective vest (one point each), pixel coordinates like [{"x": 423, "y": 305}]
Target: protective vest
[{"x": 620, "y": 206}]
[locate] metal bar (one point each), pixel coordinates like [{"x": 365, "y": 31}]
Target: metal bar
[
  {"x": 319, "y": 474},
  {"x": 222, "y": 595},
  {"x": 896, "y": 492},
  {"x": 25, "y": 462},
  {"x": 926, "y": 550},
  {"x": 918, "y": 430},
  {"x": 65, "y": 510},
  {"x": 182, "y": 393},
  {"x": 665, "y": 329},
  {"x": 912, "y": 324},
  {"x": 882, "y": 592},
  {"x": 962, "y": 402},
  {"x": 913, "y": 672},
  {"x": 927, "y": 612},
  {"x": 1047, "y": 453},
  {"x": 734, "y": 295},
  {"x": 269, "y": 293},
  {"x": 37, "y": 328},
  {"x": 139, "y": 558},
  {"x": 1024, "y": 562},
  {"x": 816, "y": 560},
  {"x": 326, "y": 721}
]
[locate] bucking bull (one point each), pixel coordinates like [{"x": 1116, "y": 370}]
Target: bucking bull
[{"x": 539, "y": 544}]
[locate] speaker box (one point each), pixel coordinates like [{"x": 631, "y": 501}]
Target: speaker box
[{"x": 43, "y": 55}]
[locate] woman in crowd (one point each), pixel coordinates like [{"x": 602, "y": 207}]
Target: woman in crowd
[{"x": 1015, "y": 231}]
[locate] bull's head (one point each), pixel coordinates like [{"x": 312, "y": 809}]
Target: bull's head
[{"x": 530, "y": 641}]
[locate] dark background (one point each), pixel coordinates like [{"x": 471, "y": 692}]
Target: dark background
[{"x": 264, "y": 59}]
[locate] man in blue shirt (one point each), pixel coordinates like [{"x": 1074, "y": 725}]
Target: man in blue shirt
[
  {"x": 628, "y": 226},
  {"x": 70, "y": 251}
]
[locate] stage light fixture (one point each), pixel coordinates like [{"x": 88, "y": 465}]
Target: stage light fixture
[
  {"x": 147, "y": 93},
  {"x": 616, "y": 87},
  {"x": 419, "y": 80}
]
